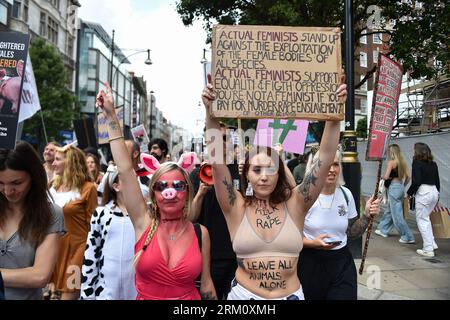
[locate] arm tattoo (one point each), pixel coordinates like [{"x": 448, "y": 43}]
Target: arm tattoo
[
  {"x": 113, "y": 125},
  {"x": 357, "y": 226},
  {"x": 230, "y": 189},
  {"x": 207, "y": 296},
  {"x": 240, "y": 263},
  {"x": 310, "y": 179}
]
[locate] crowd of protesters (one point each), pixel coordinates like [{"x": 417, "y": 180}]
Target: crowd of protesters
[{"x": 154, "y": 229}]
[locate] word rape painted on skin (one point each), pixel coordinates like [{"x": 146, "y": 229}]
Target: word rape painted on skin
[{"x": 276, "y": 72}]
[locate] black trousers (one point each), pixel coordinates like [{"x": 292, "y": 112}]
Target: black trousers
[
  {"x": 2, "y": 288},
  {"x": 327, "y": 274},
  {"x": 222, "y": 273}
]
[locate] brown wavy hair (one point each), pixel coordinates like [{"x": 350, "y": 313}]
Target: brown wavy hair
[
  {"x": 37, "y": 212},
  {"x": 282, "y": 191},
  {"x": 75, "y": 172},
  {"x": 422, "y": 152}
]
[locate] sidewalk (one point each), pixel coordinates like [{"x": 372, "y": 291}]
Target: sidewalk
[{"x": 396, "y": 272}]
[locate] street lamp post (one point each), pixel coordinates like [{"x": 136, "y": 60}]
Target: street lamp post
[
  {"x": 204, "y": 61},
  {"x": 351, "y": 166},
  {"x": 147, "y": 61}
]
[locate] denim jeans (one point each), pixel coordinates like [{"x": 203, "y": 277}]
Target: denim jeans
[{"x": 393, "y": 215}]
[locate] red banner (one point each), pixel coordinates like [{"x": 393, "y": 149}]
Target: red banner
[{"x": 384, "y": 107}]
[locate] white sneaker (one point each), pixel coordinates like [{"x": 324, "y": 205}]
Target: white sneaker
[
  {"x": 435, "y": 246},
  {"x": 425, "y": 253},
  {"x": 405, "y": 241},
  {"x": 378, "y": 232}
]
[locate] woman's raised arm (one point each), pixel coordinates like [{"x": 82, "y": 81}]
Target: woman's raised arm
[{"x": 133, "y": 199}]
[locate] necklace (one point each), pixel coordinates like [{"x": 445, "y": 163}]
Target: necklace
[
  {"x": 326, "y": 205},
  {"x": 171, "y": 219},
  {"x": 174, "y": 237}
]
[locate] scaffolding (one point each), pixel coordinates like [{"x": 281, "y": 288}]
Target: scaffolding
[{"x": 424, "y": 107}]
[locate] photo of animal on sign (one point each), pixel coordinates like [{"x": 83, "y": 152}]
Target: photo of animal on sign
[{"x": 276, "y": 72}]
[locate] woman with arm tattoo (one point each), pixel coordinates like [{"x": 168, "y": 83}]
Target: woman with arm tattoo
[
  {"x": 326, "y": 265},
  {"x": 265, "y": 220},
  {"x": 168, "y": 258}
]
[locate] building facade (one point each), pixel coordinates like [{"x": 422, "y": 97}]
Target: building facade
[
  {"x": 94, "y": 61},
  {"x": 53, "y": 20}
]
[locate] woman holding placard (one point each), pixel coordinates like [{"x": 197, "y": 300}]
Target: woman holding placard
[{"x": 266, "y": 219}]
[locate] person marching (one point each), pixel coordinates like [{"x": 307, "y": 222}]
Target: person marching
[
  {"x": 266, "y": 219},
  {"x": 73, "y": 190},
  {"x": 325, "y": 265},
  {"x": 30, "y": 225},
  {"x": 168, "y": 256},
  {"x": 108, "y": 271}
]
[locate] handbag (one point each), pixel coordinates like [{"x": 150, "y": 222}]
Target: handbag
[
  {"x": 412, "y": 203},
  {"x": 405, "y": 208}
]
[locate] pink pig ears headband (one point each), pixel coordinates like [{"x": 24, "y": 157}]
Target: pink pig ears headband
[{"x": 187, "y": 162}]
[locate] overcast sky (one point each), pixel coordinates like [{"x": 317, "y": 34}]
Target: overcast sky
[{"x": 176, "y": 75}]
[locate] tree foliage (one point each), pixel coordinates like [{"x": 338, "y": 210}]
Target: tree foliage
[
  {"x": 361, "y": 128},
  {"x": 57, "y": 102},
  {"x": 418, "y": 36}
]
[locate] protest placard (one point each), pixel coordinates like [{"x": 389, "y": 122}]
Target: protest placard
[
  {"x": 384, "y": 107},
  {"x": 140, "y": 136},
  {"x": 291, "y": 134},
  {"x": 103, "y": 135},
  {"x": 13, "y": 60},
  {"x": 276, "y": 72}
]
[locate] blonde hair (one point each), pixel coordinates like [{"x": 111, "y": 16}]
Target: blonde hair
[
  {"x": 396, "y": 155},
  {"x": 154, "y": 214},
  {"x": 314, "y": 155},
  {"x": 75, "y": 170}
]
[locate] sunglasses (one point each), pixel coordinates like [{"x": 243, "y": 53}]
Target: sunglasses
[{"x": 163, "y": 185}]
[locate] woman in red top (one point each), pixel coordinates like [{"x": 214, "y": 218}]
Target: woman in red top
[{"x": 168, "y": 257}]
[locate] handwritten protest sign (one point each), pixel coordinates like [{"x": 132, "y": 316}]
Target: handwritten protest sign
[
  {"x": 103, "y": 136},
  {"x": 290, "y": 133},
  {"x": 384, "y": 107},
  {"x": 140, "y": 136},
  {"x": 276, "y": 72},
  {"x": 13, "y": 60}
]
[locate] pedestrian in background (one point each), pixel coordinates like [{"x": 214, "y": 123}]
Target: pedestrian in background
[
  {"x": 73, "y": 190},
  {"x": 30, "y": 225},
  {"x": 425, "y": 187},
  {"x": 49, "y": 157},
  {"x": 396, "y": 177},
  {"x": 94, "y": 168}
]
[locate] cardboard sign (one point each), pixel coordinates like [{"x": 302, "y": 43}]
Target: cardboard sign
[
  {"x": 103, "y": 135},
  {"x": 29, "y": 103},
  {"x": 140, "y": 136},
  {"x": 13, "y": 61},
  {"x": 290, "y": 133},
  {"x": 276, "y": 72},
  {"x": 384, "y": 107}
]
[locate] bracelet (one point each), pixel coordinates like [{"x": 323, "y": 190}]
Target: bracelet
[{"x": 112, "y": 139}]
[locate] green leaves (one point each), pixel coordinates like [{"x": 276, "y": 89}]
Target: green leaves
[
  {"x": 419, "y": 38},
  {"x": 57, "y": 101}
]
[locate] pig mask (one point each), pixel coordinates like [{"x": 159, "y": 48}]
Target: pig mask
[{"x": 151, "y": 164}]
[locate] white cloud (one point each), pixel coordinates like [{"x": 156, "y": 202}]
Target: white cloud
[{"x": 176, "y": 75}]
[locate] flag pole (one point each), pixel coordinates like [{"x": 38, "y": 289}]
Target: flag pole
[{"x": 43, "y": 126}]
